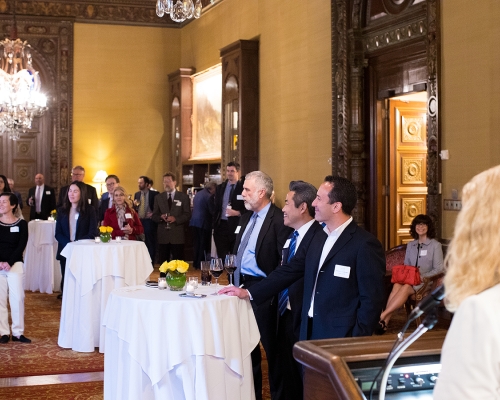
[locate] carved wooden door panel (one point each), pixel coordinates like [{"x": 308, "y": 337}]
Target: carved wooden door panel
[{"x": 407, "y": 167}]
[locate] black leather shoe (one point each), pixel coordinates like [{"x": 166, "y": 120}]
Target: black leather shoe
[
  {"x": 59, "y": 296},
  {"x": 4, "y": 339},
  {"x": 22, "y": 339}
]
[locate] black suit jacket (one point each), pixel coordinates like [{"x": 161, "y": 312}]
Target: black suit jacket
[
  {"x": 296, "y": 289},
  {"x": 91, "y": 195},
  {"x": 151, "y": 201},
  {"x": 236, "y": 204},
  {"x": 343, "y": 306},
  {"x": 48, "y": 202},
  {"x": 270, "y": 241},
  {"x": 86, "y": 228}
]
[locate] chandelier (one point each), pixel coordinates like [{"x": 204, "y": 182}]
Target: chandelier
[{"x": 181, "y": 10}]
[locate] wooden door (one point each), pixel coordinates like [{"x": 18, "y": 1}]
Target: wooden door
[{"x": 407, "y": 167}]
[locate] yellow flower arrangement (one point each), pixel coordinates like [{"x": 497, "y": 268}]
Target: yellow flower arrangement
[
  {"x": 105, "y": 229},
  {"x": 53, "y": 214},
  {"x": 174, "y": 266}
]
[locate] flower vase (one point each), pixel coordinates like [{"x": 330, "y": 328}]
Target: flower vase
[
  {"x": 105, "y": 237},
  {"x": 176, "y": 280}
]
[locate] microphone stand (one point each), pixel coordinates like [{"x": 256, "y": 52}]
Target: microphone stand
[{"x": 428, "y": 323}]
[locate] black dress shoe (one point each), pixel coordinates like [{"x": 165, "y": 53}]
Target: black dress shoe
[
  {"x": 4, "y": 339},
  {"x": 59, "y": 296},
  {"x": 22, "y": 339}
]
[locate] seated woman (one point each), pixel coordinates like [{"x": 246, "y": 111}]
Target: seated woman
[
  {"x": 122, "y": 217},
  {"x": 470, "y": 358},
  {"x": 424, "y": 252},
  {"x": 76, "y": 220},
  {"x": 13, "y": 240}
]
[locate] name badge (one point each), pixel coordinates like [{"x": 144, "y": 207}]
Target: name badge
[
  {"x": 342, "y": 271},
  {"x": 239, "y": 197},
  {"x": 77, "y": 215},
  {"x": 47, "y": 192},
  {"x": 14, "y": 229},
  {"x": 423, "y": 253},
  {"x": 287, "y": 243},
  {"x": 238, "y": 229},
  {"x": 128, "y": 215},
  {"x": 90, "y": 201},
  {"x": 178, "y": 203}
]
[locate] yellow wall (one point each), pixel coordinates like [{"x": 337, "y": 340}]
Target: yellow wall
[
  {"x": 121, "y": 110},
  {"x": 470, "y": 95}
]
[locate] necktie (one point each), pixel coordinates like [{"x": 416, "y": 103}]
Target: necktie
[
  {"x": 142, "y": 206},
  {"x": 242, "y": 248},
  {"x": 169, "y": 201},
  {"x": 283, "y": 296},
  {"x": 38, "y": 198},
  {"x": 231, "y": 193}
]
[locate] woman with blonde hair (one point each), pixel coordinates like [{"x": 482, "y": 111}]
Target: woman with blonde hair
[
  {"x": 122, "y": 216},
  {"x": 471, "y": 352}
]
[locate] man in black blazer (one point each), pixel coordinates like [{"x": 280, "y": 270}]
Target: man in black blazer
[
  {"x": 77, "y": 174},
  {"x": 228, "y": 207},
  {"x": 112, "y": 182},
  {"x": 144, "y": 201},
  {"x": 41, "y": 199},
  {"x": 259, "y": 242},
  {"x": 298, "y": 214},
  {"x": 343, "y": 272}
]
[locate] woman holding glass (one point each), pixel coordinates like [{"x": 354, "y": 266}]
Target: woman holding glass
[
  {"x": 13, "y": 240},
  {"x": 76, "y": 220},
  {"x": 122, "y": 217},
  {"x": 470, "y": 358},
  {"x": 424, "y": 252}
]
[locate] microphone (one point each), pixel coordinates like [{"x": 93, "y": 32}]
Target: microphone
[{"x": 428, "y": 303}]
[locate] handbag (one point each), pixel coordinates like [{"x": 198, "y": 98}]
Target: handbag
[{"x": 407, "y": 274}]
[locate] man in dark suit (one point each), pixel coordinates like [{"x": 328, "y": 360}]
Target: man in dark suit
[
  {"x": 298, "y": 214},
  {"x": 259, "y": 242},
  {"x": 18, "y": 195},
  {"x": 228, "y": 207},
  {"x": 144, "y": 201},
  {"x": 106, "y": 202},
  {"x": 171, "y": 211},
  {"x": 343, "y": 271},
  {"x": 77, "y": 174},
  {"x": 41, "y": 199}
]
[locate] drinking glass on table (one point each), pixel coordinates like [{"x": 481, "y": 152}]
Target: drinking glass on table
[
  {"x": 206, "y": 279},
  {"x": 216, "y": 269},
  {"x": 230, "y": 267}
]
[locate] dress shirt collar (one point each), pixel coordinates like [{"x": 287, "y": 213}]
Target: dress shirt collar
[
  {"x": 338, "y": 231},
  {"x": 302, "y": 232},
  {"x": 262, "y": 213}
]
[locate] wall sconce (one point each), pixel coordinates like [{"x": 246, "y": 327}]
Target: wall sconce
[{"x": 100, "y": 177}]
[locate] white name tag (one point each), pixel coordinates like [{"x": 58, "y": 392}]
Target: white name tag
[
  {"x": 239, "y": 197},
  {"x": 47, "y": 192},
  {"x": 342, "y": 271},
  {"x": 423, "y": 253},
  {"x": 178, "y": 203},
  {"x": 14, "y": 229},
  {"x": 238, "y": 229},
  {"x": 128, "y": 215},
  {"x": 90, "y": 201},
  {"x": 77, "y": 215},
  {"x": 287, "y": 243}
]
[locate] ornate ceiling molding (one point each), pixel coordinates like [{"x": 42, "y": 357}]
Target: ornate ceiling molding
[{"x": 124, "y": 12}]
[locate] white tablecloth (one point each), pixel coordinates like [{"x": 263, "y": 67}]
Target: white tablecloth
[
  {"x": 93, "y": 270},
  {"x": 160, "y": 345},
  {"x": 42, "y": 270}
]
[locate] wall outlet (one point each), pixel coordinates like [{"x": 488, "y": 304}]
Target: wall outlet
[{"x": 452, "y": 205}]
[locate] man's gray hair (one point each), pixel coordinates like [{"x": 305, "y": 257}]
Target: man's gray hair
[
  {"x": 262, "y": 181},
  {"x": 211, "y": 185}
]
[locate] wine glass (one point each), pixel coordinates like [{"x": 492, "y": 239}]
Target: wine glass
[
  {"x": 216, "y": 269},
  {"x": 230, "y": 267}
]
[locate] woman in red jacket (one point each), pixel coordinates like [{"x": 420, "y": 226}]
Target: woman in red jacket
[{"x": 122, "y": 217}]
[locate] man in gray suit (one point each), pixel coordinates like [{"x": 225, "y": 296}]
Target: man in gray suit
[{"x": 171, "y": 212}]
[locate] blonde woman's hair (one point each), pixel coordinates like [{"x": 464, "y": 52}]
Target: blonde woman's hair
[
  {"x": 472, "y": 261},
  {"x": 128, "y": 202}
]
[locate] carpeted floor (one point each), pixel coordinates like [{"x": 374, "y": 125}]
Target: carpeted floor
[{"x": 68, "y": 391}]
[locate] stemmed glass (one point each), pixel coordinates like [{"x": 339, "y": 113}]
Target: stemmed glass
[
  {"x": 216, "y": 269},
  {"x": 230, "y": 267}
]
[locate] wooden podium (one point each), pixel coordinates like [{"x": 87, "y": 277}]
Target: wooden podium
[{"x": 328, "y": 363}]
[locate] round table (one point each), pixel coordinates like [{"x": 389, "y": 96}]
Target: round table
[
  {"x": 42, "y": 270},
  {"x": 93, "y": 270},
  {"x": 161, "y": 345}
]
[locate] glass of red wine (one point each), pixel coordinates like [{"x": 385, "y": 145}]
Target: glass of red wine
[
  {"x": 216, "y": 269},
  {"x": 230, "y": 267}
]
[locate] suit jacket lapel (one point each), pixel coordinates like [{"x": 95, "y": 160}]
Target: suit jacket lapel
[
  {"x": 265, "y": 227},
  {"x": 243, "y": 224},
  {"x": 344, "y": 238}
]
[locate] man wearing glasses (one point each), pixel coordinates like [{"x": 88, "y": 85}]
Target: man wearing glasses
[
  {"x": 112, "y": 182},
  {"x": 77, "y": 174}
]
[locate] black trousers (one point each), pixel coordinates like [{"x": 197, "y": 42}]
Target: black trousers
[
  {"x": 201, "y": 245},
  {"x": 224, "y": 239},
  {"x": 266, "y": 315},
  {"x": 150, "y": 232},
  {"x": 169, "y": 252}
]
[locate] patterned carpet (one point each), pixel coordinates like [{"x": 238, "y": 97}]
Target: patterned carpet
[{"x": 68, "y": 391}]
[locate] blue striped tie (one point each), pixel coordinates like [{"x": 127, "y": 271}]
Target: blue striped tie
[{"x": 283, "y": 296}]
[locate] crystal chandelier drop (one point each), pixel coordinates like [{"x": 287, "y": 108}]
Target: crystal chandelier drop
[
  {"x": 20, "y": 96},
  {"x": 179, "y": 10}
]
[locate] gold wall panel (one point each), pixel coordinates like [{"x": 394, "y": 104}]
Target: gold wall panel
[
  {"x": 413, "y": 171},
  {"x": 413, "y": 130},
  {"x": 411, "y": 207}
]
